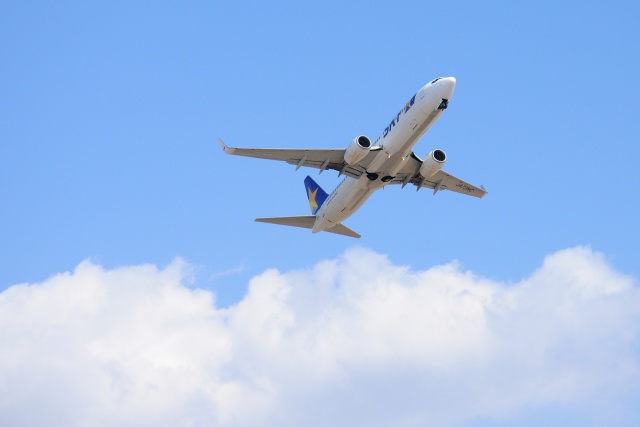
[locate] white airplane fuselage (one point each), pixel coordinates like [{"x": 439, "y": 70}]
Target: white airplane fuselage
[{"x": 396, "y": 143}]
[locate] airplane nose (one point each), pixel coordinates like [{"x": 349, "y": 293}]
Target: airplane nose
[
  {"x": 447, "y": 84},
  {"x": 436, "y": 94}
]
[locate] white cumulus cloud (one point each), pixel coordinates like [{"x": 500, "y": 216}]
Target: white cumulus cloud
[{"x": 353, "y": 341}]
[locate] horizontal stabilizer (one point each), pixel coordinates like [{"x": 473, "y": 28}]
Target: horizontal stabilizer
[
  {"x": 344, "y": 230},
  {"x": 293, "y": 221},
  {"x": 307, "y": 222}
]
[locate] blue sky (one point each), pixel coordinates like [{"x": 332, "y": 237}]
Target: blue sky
[{"x": 110, "y": 113}]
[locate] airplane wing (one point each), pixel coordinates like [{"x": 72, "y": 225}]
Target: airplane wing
[
  {"x": 441, "y": 180},
  {"x": 314, "y": 158},
  {"x": 334, "y": 159},
  {"x": 446, "y": 181}
]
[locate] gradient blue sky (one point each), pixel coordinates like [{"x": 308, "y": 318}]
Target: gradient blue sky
[{"x": 110, "y": 112}]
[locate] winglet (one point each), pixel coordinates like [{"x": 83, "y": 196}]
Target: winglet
[{"x": 226, "y": 148}]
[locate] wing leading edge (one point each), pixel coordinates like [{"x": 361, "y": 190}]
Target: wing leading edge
[
  {"x": 334, "y": 159},
  {"x": 441, "y": 180},
  {"x": 322, "y": 159}
]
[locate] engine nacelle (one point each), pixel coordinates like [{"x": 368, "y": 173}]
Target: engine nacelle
[
  {"x": 433, "y": 163},
  {"x": 357, "y": 150}
]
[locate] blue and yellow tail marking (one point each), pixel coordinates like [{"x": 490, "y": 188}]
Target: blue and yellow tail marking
[{"x": 316, "y": 195}]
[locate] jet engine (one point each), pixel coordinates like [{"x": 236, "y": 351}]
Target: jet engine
[
  {"x": 357, "y": 150},
  {"x": 433, "y": 163}
]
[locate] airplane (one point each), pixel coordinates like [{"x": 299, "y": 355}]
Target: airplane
[{"x": 369, "y": 166}]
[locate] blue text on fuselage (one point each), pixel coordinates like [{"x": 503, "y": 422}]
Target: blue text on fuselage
[{"x": 396, "y": 119}]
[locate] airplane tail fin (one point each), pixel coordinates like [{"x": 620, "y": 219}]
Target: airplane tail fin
[
  {"x": 315, "y": 194},
  {"x": 317, "y": 197}
]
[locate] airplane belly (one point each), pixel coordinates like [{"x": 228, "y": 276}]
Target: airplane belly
[
  {"x": 348, "y": 203},
  {"x": 355, "y": 193},
  {"x": 359, "y": 201},
  {"x": 401, "y": 139}
]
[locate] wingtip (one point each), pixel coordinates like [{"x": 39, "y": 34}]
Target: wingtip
[{"x": 225, "y": 147}]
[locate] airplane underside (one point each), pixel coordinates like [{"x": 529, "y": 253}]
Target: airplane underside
[{"x": 369, "y": 166}]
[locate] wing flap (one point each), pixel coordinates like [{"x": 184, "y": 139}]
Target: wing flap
[
  {"x": 352, "y": 171},
  {"x": 452, "y": 183},
  {"x": 410, "y": 174},
  {"x": 314, "y": 158}
]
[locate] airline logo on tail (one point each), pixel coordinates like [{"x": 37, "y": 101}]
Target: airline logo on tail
[{"x": 315, "y": 194}]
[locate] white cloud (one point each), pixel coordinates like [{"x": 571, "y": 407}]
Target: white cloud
[{"x": 353, "y": 341}]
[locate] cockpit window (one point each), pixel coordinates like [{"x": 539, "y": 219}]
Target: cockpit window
[{"x": 435, "y": 80}]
